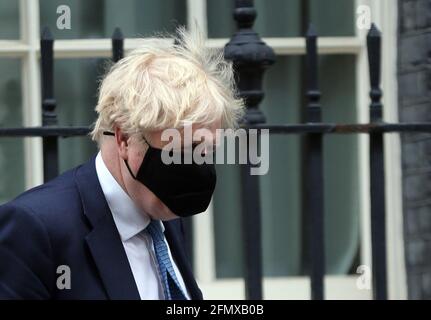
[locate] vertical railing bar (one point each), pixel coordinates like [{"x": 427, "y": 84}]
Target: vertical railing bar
[
  {"x": 252, "y": 236},
  {"x": 304, "y": 217},
  {"x": 377, "y": 170},
  {"x": 49, "y": 117},
  {"x": 117, "y": 45},
  {"x": 314, "y": 207}
]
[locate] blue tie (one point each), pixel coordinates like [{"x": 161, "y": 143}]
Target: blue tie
[{"x": 171, "y": 286}]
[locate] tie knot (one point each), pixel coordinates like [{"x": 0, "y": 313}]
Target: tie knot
[{"x": 155, "y": 230}]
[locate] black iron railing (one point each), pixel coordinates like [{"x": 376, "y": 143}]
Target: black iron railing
[{"x": 251, "y": 56}]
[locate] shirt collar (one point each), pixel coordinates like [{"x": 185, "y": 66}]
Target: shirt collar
[{"x": 129, "y": 219}]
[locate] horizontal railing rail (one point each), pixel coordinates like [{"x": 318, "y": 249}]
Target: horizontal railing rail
[{"x": 324, "y": 128}]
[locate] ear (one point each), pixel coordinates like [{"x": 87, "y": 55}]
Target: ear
[{"x": 122, "y": 143}]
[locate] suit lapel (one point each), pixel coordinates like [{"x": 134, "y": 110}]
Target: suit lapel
[
  {"x": 104, "y": 240},
  {"x": 111, "y": 260}
]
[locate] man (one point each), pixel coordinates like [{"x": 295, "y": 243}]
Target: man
[{"x": 110, "y": 228}]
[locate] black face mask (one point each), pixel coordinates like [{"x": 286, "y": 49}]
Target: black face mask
[{"x": 186, "y": 189}]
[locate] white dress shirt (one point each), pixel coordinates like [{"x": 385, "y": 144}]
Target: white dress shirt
[{"x": 131, "y": 223}]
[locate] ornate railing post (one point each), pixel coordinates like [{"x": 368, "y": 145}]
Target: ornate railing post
[
  {"x": 49, "y": 117},
  {"x": 377, "y": 169},
  {"x": 313, "y": 162},
  {"x": 250, "y": 56}
]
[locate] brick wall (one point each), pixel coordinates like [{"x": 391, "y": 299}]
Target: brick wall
[{"x": 414, "y": 80}]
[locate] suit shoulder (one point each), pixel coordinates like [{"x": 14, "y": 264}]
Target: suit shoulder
[
  {"x": 25, "y": 253},
  {"x": 55, "y": 199}
]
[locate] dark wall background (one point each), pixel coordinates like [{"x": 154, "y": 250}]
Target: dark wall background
[{"x": 414, "y": 58}]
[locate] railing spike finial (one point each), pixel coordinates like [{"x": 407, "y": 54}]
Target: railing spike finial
[
  {"x": 117, "y": 45},
  {"x": 374, "y": 46},
  {"x": 117, "y": 34},
  {"x": 244, "y": 13},
  {"x": 313, "y": 93},
  {"x": 374, "y": 31},
  {"x": 250, "y": 57},
  {"x": 311, "y": 32},
  {"x": 46, "y": 34},
  {"x": 47, "y": 61}
]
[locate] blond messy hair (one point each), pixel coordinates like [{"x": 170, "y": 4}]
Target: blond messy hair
[{"x": 165, "y": 84}]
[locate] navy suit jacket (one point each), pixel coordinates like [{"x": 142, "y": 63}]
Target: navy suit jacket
[{"x": 67, "y": 221}]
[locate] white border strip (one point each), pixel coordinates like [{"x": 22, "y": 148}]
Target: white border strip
[{"x": 29, "y": 19}]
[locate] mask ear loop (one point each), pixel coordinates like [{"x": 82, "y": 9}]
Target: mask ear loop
[
  {"x": 107, "y": 133},
  {"x": 130, "y": 170},
  {"x": 127, "y": 164},
  {"x": 146, "y": 141}
]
